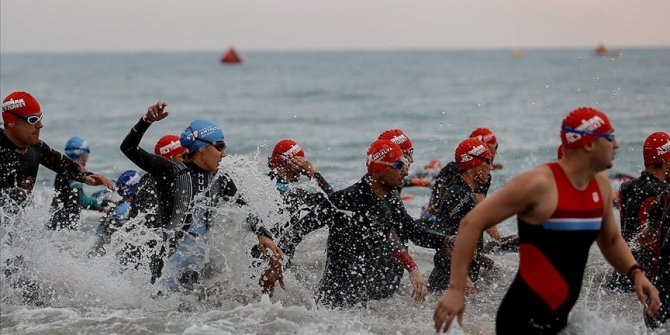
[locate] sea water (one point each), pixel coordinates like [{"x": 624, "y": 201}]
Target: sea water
[{"x": 334, "y": 104}]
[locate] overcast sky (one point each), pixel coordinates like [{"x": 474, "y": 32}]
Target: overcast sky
[{"x": 161, "y": 25}]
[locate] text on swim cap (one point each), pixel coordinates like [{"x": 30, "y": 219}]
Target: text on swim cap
[
  {"x": 476, "y": 151},
  {"x": 13, "y": 104},
  {"x": 664, "y": 149},
  {"x": 169, "y": 147},
  {"x": 201, "y": 133},
  {"x": 485, "y": 138},
  {"x": 591, "y": 124},
  {"x": 399, "y": 139},
  {"x": 380, "y": 154},
  {"x": 291, "y": 151}
]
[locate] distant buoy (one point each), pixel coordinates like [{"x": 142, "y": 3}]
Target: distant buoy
[
  {"x": 516, "y": 53},
  {"x": 600, "y": 50},
  {"x": 231, "y": 57}
]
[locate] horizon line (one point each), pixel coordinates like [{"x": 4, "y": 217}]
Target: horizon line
[{"x": 334, "y": 50}]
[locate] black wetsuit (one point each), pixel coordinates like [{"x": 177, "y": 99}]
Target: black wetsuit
[
  {"x": 659, "y": 214},
  {"x": 445, "y": 177},
  {"x": 553, "y": 257},
  {"x": 636, "y": 197},
  {"x": 18, "y": 170},
  {"x": 68, "y": 202},
  {"x": 146, "y": 201},
  {"x": 307, "y": 212},
  {"x": 663, "y": 314},
  {"x": 176, "y": 186},
  {"x": 364, "y": 230},
  {"x": 457, "y": 200},
  {"x": 161, "y": 170}
]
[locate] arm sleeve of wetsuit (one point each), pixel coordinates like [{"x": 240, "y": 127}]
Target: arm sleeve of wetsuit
[
  {"x": 85, "y": 201},
  {"x": 60, "y": 163},
  {"x": 318, "y": 216},
  {"x": 323, "y": 183},
  {"x": 403, "y": 257},
  {"x": 154, "y": 164},
  {"x": 423, "y": 235}
]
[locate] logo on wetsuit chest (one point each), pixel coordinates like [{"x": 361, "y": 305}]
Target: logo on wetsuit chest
[{"x": 596, "y": 198}]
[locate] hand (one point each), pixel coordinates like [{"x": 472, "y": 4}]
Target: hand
[
  {"x": 493, "y": 232},
  {"x": 265, "y": 243},
  {"x": 96, "y": 180},
  {"x": 470, "y": 287},
  {"x": 156, "y": 112},
  {"x": 271, "y": 275},
  {"x": 419, "y": 286},
  {"x": 451, "y": 304},
  {"x": 647, "y": 294},
  {"x": 303, "y": 165}
]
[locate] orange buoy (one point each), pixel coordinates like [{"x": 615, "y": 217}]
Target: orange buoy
[
  {"x": 231, "y": 57},
  {"x": 600, "y": 50}
]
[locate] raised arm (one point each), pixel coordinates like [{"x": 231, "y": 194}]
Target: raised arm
[{"x": 151, "y": 163}]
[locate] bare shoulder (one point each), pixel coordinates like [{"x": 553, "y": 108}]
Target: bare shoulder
[
  {"x": 525, "y": 191},
  {"x": 537, "y": 180}
]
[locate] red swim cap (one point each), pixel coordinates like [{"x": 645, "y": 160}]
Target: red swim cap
[
  {"x": 168, "y": 146},
  {"x": 485, "y": 135},
  {"x": 19, "y": 103},
  {"x": 583, "y": 119},
  {"x": 283, "y": 151},
  {"x": 382, "y": 151},
  {"x": 471, "y": 153},
  {"x": 398, "y": 137},
  {"x": 656, "y": 148},
  {"x": 559, "y": 152}
]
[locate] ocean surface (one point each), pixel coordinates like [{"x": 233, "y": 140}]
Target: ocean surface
[{"x": 334, "y": 104}]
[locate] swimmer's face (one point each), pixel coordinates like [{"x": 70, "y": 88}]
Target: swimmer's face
[
  {"x": 394, "y": 176},
  {"x": 606, "y": 150},
  {"x": 483, "y": 172},
  {"x": 212, "y": 155},
  {"x": 25, "y": 133}
]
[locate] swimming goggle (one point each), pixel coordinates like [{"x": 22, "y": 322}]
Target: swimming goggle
[
  {"x": 220, "y": 146},
  {"x": 30, "y": 119},
  {"x": 609, "y": 137},
  {"x": 397, "y": 165}
]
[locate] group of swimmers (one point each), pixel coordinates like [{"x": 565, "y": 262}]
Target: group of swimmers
[{"x": 563, "y": 202}]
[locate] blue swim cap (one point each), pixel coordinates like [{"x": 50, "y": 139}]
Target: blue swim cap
[
  {"x": 127, "y": 183},
  {"x": 200, "y": 133},
  {"x": 76, "y": 148}
]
